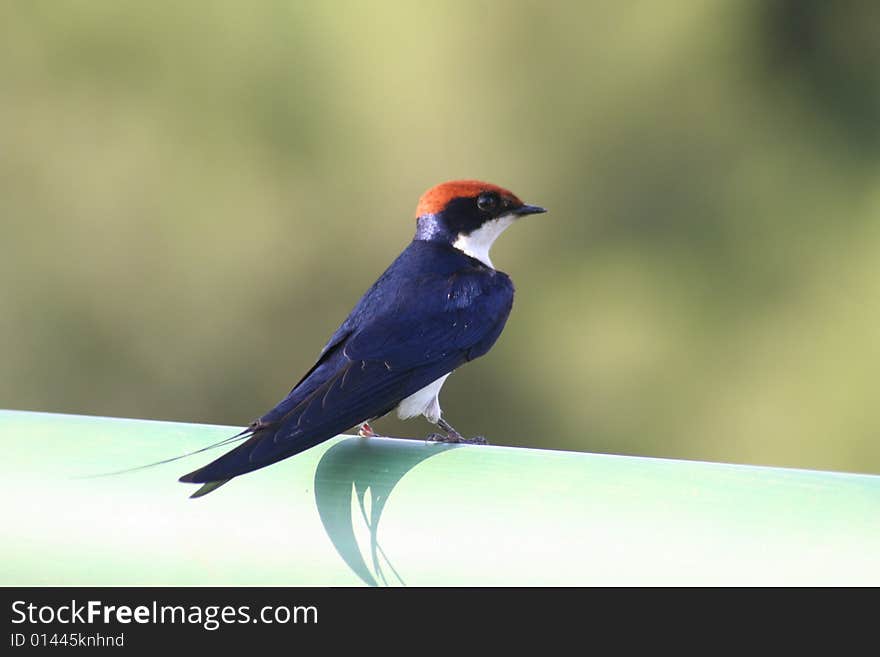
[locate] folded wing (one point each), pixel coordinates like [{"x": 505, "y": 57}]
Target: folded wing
[{"x": 375, "y": 361}]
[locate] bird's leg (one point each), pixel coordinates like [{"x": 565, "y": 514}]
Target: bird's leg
[
  {"x": 452, "y": 436},
  {"x": 366, "y": 431}
]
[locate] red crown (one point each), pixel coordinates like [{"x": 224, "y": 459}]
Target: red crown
[{"x": 436, "y": 198}]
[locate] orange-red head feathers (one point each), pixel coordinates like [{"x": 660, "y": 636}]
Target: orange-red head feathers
[{"x": 435, "y": 199}]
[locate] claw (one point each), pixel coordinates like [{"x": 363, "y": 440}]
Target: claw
[
  {"x": 455, "y": 437},
  {"x": 452, "y": 436}
]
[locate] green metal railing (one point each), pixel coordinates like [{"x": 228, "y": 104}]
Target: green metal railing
[{"x": 403, "y": 512}]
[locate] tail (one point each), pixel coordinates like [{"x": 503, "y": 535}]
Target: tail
[
  {"x": 224, "y": 468},
  {"x": 241, "y": 459},
  {"x": 215, "y": 474},
  {"x": 239, "y": 436}
]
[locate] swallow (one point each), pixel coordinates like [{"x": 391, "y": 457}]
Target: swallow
[{"x": 439, "y": 305}]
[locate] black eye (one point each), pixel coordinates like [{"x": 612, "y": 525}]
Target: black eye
[{"x": 487, "y": 201}]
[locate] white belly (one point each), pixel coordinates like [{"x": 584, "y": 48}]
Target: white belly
[{"x": 424, "y": 402}]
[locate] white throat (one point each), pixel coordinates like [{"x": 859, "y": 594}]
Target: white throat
[{"x": 478, "y": 243}]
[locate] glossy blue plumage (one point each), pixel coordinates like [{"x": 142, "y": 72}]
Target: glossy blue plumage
[{"x": 431, "y": 311}]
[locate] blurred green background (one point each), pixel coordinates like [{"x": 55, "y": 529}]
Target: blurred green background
[{"x": 195, "y": 194}]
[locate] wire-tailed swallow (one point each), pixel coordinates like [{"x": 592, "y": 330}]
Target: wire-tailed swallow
[{"x": 440, "y": 304}]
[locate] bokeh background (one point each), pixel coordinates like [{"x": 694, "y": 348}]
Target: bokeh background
[{"x": 193, "y": 195}]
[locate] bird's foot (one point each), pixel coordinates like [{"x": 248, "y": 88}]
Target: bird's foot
[
  {"x": 366, "y": 431},
  {"x": 456, "y": 438},
  {"x": 452, "y": 436}
]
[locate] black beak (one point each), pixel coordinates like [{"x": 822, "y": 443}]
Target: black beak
[{"x": 528, "y": 209}]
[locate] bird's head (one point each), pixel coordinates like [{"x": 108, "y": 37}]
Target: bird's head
[{"x": 469, "y": 215}]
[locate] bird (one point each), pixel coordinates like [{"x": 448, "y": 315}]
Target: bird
[{"x": 440, "y": 304}]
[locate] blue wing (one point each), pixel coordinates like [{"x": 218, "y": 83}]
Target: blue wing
[{"x": 408, "y": 330}]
